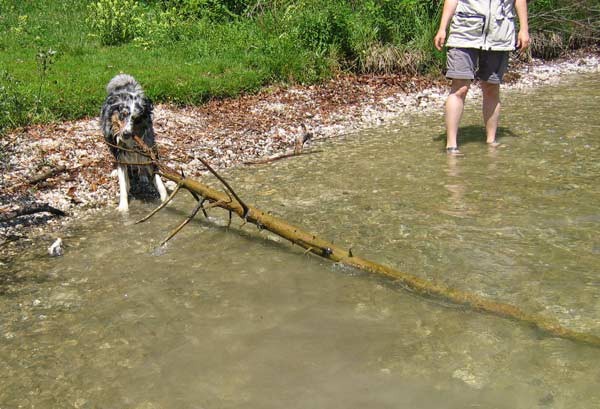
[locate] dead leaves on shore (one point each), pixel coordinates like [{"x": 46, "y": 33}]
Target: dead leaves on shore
[{"x": 227, "y": 132}]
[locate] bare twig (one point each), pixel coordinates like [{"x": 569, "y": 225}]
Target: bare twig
[
  {"x": 183, "y": 224},
  {"x": 45, "y": 175},
  {"x": 162, "y": 205},
  {"x": 278, "y": 157},
  {"x": 124, "y": 149},
  {"x": 224, "y": 182}
]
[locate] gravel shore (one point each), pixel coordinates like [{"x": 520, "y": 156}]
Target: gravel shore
[{"x": 225, "y": 132}]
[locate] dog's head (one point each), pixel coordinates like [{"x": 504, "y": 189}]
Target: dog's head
[{"x": 126, "y": 111}]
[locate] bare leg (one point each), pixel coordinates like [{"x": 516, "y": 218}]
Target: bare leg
[
  {"x": 123, "y": 188},
  {"x": 160, "y": 186},
  {"x": 491, "y": 110},
  {"x": 455, "y": 104}
]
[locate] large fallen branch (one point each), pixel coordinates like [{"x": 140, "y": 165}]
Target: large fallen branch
[{"x": 328, "y": 250}]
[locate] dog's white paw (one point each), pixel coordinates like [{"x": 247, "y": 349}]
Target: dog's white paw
[{"x": 123, "y": 208}]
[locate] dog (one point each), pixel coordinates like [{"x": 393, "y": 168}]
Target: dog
[{"x": 126, "y": 113}]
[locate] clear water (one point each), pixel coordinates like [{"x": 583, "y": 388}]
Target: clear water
[{"x": 224, "y": 318}]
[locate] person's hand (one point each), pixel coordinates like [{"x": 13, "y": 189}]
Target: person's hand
[
  {"x": 523, "y": 40},
  {"x": 440, "y": 39}
]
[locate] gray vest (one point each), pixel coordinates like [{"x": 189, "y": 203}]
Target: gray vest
[{"x": 485, "y": 24}]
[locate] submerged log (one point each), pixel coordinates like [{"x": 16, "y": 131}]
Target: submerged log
[{"x": 330, "y": 251}]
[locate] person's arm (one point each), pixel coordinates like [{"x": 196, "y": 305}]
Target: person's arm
[
  {"x": 447, "y": 13},
  {"x": 523, "y": 39}
]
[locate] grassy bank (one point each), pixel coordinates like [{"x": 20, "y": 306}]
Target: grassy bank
[{"x": 57, "y": 56}]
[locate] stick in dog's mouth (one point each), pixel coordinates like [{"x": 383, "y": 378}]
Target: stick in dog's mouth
[{"x": 117, "y": 125}]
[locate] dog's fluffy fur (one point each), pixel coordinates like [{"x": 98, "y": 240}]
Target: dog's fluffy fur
[{"x": 127, "y": 112}]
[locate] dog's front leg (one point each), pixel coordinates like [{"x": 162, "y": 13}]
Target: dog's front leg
[
  {"x": 123, "y": 188},
  {"x": 160, "y": 186}
]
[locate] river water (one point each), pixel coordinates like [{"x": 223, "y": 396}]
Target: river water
[{"x": 237, "y": 318}]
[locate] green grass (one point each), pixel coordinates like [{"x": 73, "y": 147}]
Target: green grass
[
  {"x": 218, "y": 60},
  {"x": 191, "y": 54}
]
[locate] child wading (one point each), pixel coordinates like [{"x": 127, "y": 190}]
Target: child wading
[{"x": 481, "y": 35}]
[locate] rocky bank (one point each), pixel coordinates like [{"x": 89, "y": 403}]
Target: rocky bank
[{"x": 225, "y": 132}]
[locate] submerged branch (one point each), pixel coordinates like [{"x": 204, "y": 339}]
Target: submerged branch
[{"x": 313, "y": 244}]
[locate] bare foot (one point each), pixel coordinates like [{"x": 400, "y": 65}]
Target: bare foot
[{"x": 453, "y": 151}]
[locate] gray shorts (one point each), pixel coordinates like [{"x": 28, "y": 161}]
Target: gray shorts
[{"x": 471, "y": 63}]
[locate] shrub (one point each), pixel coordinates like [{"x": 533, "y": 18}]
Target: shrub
[
  {"x": 161, "y": 27},
  {"x": 558, "y": 25},
  {"x": 322, "y": 28},
  {"x": 114, "y": 21}
]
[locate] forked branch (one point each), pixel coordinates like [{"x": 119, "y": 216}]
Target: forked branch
[{"x": 328, "y": 250}]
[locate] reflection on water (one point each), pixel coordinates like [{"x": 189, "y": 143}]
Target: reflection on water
[
  {"x": 230, "y": 319},
  {"x": 456, "y": 205}
]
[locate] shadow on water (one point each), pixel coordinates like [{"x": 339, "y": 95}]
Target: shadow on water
[{"x": 472, "y": 134}]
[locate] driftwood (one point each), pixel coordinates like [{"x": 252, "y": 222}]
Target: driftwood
[
  {"x": 45, "y": 175},
  {"x": 328, "y": 250},
  {"x": 29, "y": 210}
]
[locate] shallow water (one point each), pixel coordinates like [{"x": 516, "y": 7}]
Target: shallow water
[{"x": 224, "y": 318}]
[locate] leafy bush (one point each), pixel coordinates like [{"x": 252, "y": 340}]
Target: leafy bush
[
  {"x": 323, "y": 26},
  {"x": 161, "y": 27},
  {"x": 114, "y": 21}
]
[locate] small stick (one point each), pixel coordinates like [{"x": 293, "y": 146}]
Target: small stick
[
  {"x": 182, "y": 225},
  {"x": 118, "y": 162},
  {"x": 224, "y": 182},
  {"x": 43, "y": 176},
  {"x": 162, "y": 205},
  {"x": 214, "y": 204},
  {"x": 282, "y": 156},
  {"x": 124, "y": 149}
]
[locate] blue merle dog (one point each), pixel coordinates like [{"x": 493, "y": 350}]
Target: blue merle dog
[{"x": 126, "y": 113}]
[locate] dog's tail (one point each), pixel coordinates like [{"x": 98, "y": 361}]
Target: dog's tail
[{"x": 124, "y": 82}]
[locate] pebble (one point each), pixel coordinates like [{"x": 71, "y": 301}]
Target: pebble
[{"x": 56, "y": 248}]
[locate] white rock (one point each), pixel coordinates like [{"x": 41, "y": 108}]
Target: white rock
[{"x": 56, "y": 248}]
